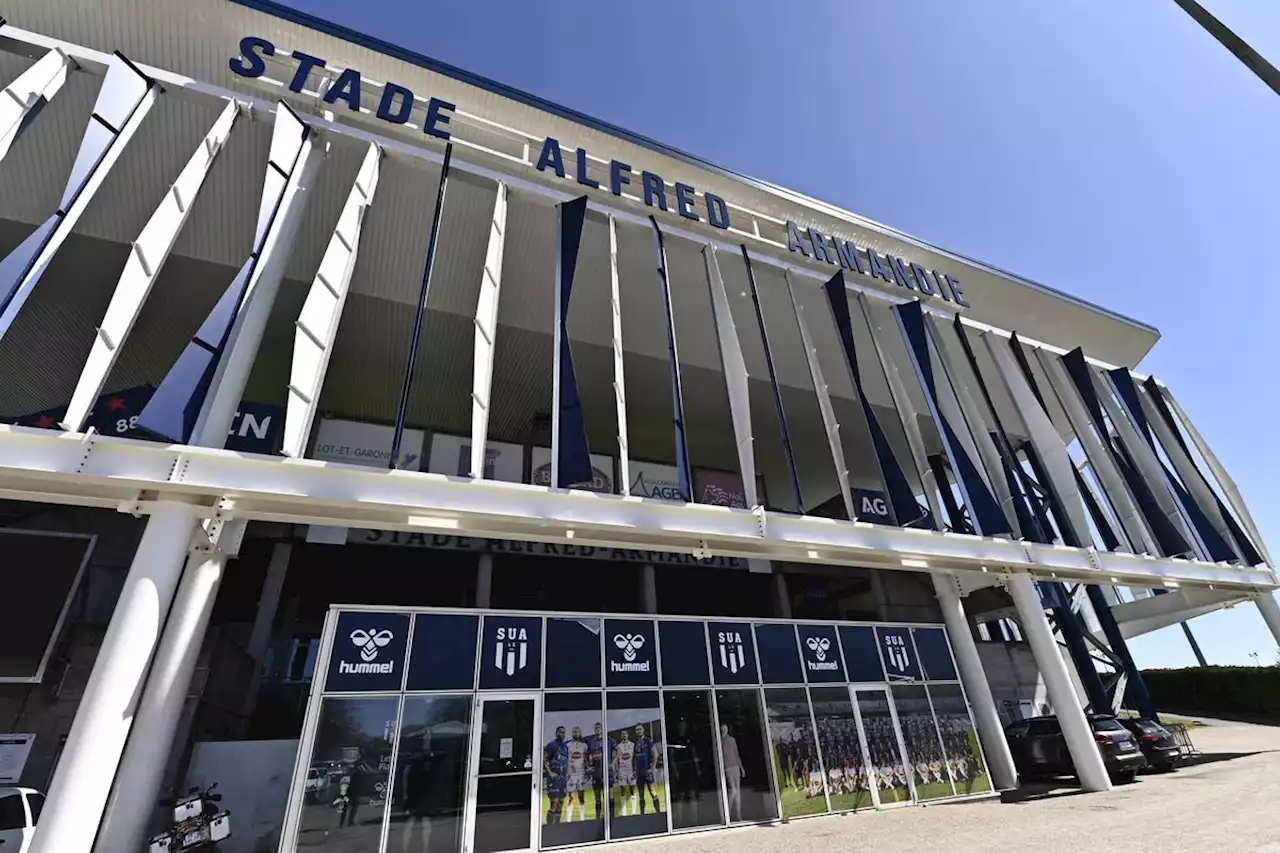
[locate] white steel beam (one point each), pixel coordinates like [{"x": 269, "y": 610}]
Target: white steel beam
[
  {"x": 1100, "y": 459},
  {"x": 24, "y": 98},
  {"x": 619, "y": 383},
  {"x": 735, "y": 375},
  {"x": 147, "y": 257},
  {"x": 486, "y": 333},
  {"x": 823, "y": 393},
  {"x": 317, "y": 324},
  {"x": 123, "y": 102}
]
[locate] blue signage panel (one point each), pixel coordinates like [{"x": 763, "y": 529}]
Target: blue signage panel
[
  {"x": 443, "y": 656},
  {"x": 861, "y": 656},
  {"x": 368, "y": 652},
  {"x": 511, "y": 653},
  {"x": 779, "y": 657},
  {"x": 821, "y": 653},
  {"x": 573, "y": 652},
  {"x": 934, "y": 654},
  {"x": 898, "y": 654},
  {"x": 630, "y": 653},
  {"x": 684, "y": 653},
  {"x": 733, "y": 656}
]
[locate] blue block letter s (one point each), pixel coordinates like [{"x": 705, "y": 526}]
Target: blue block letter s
[{"x": 250, "y": 62}]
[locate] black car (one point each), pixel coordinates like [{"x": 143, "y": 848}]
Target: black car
[
  {"x": 1039, "y": 748},
  {"x": 1156, "y": 742}
]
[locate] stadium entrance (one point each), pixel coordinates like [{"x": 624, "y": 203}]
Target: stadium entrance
[{"x": 486, "y": 731}]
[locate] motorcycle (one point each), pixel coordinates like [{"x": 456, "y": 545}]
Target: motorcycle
[{"x": 199, "y": 823}]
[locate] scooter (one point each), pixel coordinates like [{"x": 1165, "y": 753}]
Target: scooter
[{"x": 199, "y": 823}]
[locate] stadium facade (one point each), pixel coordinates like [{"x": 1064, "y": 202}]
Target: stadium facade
[{"x": 436, "y": 467}]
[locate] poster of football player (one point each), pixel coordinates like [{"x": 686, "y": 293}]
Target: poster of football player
[
  {"x": 637, "y": 775},
  {"x": 574, "y": 776}
]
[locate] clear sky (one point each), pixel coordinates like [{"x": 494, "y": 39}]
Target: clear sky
[{"x": 1112, "y": 150}]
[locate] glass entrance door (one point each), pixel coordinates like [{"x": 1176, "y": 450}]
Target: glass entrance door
[
  {"x": 888, "y": 777},
  {"x": 502, "y": 803}
]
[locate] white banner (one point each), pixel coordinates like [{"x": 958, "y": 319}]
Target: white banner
[
  {"x": 369, "y": 445},
  {"x": 451, "y": 454},
  {"x": 601, "y": 470},
  {"x": 14, "y": 750}
]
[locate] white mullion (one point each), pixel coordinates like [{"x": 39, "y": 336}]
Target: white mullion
[
  {"x": 147, "y": 257},
  {"x": 33, "y": 90},
  {"x": 824, "y": 401},
  {"x": 317, "y": 324},
  {"x": 735, "y": 375},
  {"x": 619, "y": 385},
  {"x": 486, "y": 331}
]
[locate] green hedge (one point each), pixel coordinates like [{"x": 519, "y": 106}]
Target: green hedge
[{"x": 1228, "y": 691}]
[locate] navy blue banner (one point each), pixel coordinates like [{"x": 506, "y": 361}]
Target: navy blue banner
[
  {"x": 368, "y": 652},
  {"x": 898, "y": 654},
  {"x": 573, "y": 652},
  {"x": 779, "y": 661},
  {"x": 684, "y": 659},
  {"x": 934, "y": 653},
  {"x": 733, "y": 655},
  {"x": 573, "y": 456},
  {"x": 511, "y": 653},
  {"x": 821, "y": 652},
  {"x": 861, "y": 656},
  {"x": 631, "y": 653},
  {"x": 443, "y": 656}
]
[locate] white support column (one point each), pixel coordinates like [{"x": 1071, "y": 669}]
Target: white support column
[
  {"x": 147, "y": 257},
  {"x": 1054, "y": 670},
  {"x": 317, "y": 324},
  {"x": 122, "y": 105},
  {"x": 486, "y": 332},
  {"x": 484, "y": 581},
  {"x": 619, "y": 385},
  {"x": 1270, "y": 610},
  {"x": 22, "y": 100},
  {"x": 649, "y": 587},
  {"x": 86, "y": 769},
  {"x": 735, "y": 375},
  {"x": 260, "y": 635},
  {"x": 974, "y": 678},
  {"x": 781, "y": 597},
  {"x": 824, "y": 402}
]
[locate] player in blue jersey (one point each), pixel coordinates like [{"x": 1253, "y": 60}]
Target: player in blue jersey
[
  {"x": 555, "y": 760},
  {"x": 646, "y": 769},
  {"x": 596, "y": 766}
]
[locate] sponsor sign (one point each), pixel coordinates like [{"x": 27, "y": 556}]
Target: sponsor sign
[
  {"x": 601, "y": 471},
  {"x": 871, "y": 505},
  {"x": 898, "y": 654},
  {"x": 733, "y": 654},
  {"x": 630, "y": 653},
  {"x": 404, "y": 539},
  {"x": 655, "y": 480},
  {"x": 255, "y": 428},
  {"x": 451, "y": 454},
  {"x": 718, "y": 488},
  {"x": 821, "y": 654},
  {"x": 368, "y": 652},
  {"x": 511, "y": 652},
  {"x": 368, "y": 445}
]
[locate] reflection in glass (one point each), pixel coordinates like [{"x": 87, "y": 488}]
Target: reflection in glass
[
  {"x": 346, "y": 782},
  {"x": 841, "y": 750},
  {"x": 504, "y": 801},
  {"x": 959, "y": 740},
  {"x": 431, "y": 772},
  {"x": 637, "y": 789},
  {"x": 573, "y": 770},
  {"x": 887, "y": 765},
  {"x": 744, "y": 752},
  {"x": 795, "y": 752},
  {"x": 924, "y": 751},
  {"x": 691, "y": 760}
]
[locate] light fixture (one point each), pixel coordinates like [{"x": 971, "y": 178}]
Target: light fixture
[
  {"x": 439, "y": 522},
  {"x": 914, "y": 563}
]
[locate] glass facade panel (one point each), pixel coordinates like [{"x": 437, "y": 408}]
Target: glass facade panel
[
  {"x": 779, "y": 658},
  {"x": 924, "y": 750},
  {"x": 573, "y": 653},
  {"x": 887, "y": 764},
  {"x": 959, "y": 740},
  {"x": 573, "y": 809},
  {"x": 430, "y": 787},
  {"x": 505, "y": 784},
  {"x": 795, "y": 752},
  {"x": 692, "y": 764},
  {"x": 861, "y": 658},
  {"x": 934, "y": 653},
  {"x": 847, "y": 779},
  {"x": 635, "y": 755},
  {"x": 444, "y": 652},
  {"x": 684, "y": 653},
  {"x": 744, "y": 751},
  {"x": 351, "y": 758}
]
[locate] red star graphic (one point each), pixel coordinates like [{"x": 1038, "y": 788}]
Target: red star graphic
[
  {"x": 116, "y": 404},
  {"x": 45, "y": 422}
]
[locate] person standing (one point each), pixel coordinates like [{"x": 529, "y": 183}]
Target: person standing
[{"x": 734, "y": 772}]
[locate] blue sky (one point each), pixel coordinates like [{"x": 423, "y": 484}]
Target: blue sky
[{"x": 1112, "y": 150}]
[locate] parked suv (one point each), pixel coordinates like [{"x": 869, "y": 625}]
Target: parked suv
[
  {"x": 1157, "y": 743},
  {"x": 1039, "y": 748}
]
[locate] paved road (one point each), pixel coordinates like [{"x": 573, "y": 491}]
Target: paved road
[{"x": 1226, "y": 802}]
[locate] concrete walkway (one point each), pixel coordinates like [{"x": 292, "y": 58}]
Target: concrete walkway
[{"x": 1229, "y": 800}]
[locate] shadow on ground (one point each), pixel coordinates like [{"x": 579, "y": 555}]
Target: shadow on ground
[{"x": 1215, "y": 757}]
